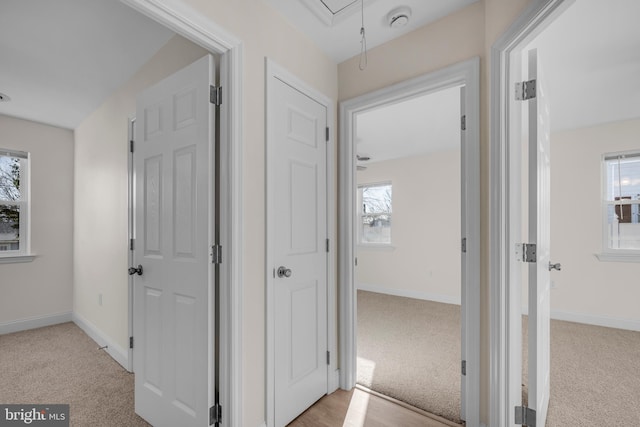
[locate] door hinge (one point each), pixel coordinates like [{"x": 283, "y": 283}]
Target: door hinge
[
  {"x": 131, "y": 143},
  {"x": 131, "y": 244},
  {"x": 356, "y": 261},
  {"x": 326, "y": 134},
  {"x": 463, "y": 122},
  {"x": 528, "y": 252},
  {"x": 216, "y": 254},
  {"x": 215, "y": 414},
  {"x": 328, "y": 358},
  {"x": 525, "y": 90},
  {"x": 215, "y": 95},
  {"x": 327, "y": 245},
  {"x": 464, "y": 245},
  {"x": 525, "y": 416},
  {"x": 130, "y": 342},
  {"x": 464, "y": 367}
]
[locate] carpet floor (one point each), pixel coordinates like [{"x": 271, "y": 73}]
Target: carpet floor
[
  {"x": 61, "y": 364},
  {"x": 409, "y": 349}
]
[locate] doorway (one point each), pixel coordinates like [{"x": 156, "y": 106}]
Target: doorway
[{"x": 463, "y": 74}]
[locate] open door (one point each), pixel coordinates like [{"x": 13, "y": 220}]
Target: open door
[
  {"x": 173, "y": 286},
  {"x": 535, "y": 253},
  {"x": 463, "y": 259}
]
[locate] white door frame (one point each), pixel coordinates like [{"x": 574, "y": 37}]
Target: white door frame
[
  {"x": 465, "y": 73},
  {"x": 274, "y": 71},
  {"x": 180, "y": 17},
  {"x": 505, "y": 55}
]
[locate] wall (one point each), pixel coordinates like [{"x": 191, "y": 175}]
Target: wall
[
  {"x": 101, "y": 200},
  {"x": 40, "y": 292},
  {"x": 424, "y": 261},
  {"x": 589, "y": 289}
]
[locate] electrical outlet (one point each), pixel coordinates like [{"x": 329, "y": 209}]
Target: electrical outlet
[
  {"x": 99, "y": 299},
  {"x": 554, "y": 285}
]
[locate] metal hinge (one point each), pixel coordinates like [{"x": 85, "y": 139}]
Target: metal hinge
[
  {"x": 215, "y": 95},
  {"x": 130, "y": 342},
  {"x": 327, "y": 134},
  {"x": 215, "y": 414},
  {"x": 525, "y": 416},
  {"x": 464, "y": 367},
  {"x": 216, "y": 254},
  {"x": 525, "y": 90},
  {"x": 328, "y": 358},
  {"x": 463, "y": 122},
  {"x": 527, "y": 252},
  {"x": 327, "y": 245},
  {"x": 464, "y": 245},
  {"x": 131, "y": 146},
  {"x": 131, "y": 244}
]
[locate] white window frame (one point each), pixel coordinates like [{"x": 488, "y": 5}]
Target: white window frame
[
  {"x": 384, "y": 245},
  {"x": 608, "y": 253},
  {"x": 23, "y": 254}
]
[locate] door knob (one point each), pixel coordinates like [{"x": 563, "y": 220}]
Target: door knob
[
  {"x": 284, "y": 272},
  {"x": 556, "y": 266},
  {"x": 133, "y": 270}
]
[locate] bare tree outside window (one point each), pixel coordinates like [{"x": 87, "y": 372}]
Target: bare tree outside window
[
  {"x": 10, "y": 202},
  {"x": 375, "y": 214}
]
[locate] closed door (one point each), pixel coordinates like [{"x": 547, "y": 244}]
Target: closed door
[
  {"x": 173, "y": 298},
  {"x": 299, "y": 190}
]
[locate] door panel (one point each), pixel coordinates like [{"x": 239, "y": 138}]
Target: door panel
[
  {"x": 539, "y": 232},
  {"x": 173, "y": 298},
  {"x": 300, "y": 301}
]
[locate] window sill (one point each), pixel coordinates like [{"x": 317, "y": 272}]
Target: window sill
[
  {"x": 11, "y": 259},
  {"x": 381, "y": 247},
  {"x": 609, "y": 257}
]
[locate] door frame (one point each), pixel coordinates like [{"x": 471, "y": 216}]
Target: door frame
[
  {"x": 504, "y": 376},
  {"x": 180, "y": 17},
  {"x": 465, "y": 73},
  {"x": 274, "y": 71}
]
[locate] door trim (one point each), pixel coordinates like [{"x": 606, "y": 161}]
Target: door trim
[
  {"x": 274, "y": 71},
  {"x": 505, "y": 387},
  {"x": 465, "y": 73},
  {"x": 182, "y": 18}
]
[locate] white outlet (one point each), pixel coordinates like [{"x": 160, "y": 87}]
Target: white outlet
[
  {"x": 554, "y": 285},
  {"x": 99, "y": 299}
]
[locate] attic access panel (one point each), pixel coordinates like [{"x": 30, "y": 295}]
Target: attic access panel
[{"x": 330, "y": 12}]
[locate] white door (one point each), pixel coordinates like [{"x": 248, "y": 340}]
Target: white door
[
  {"x": 463, "y": 229},
  {"x": 173, "y": 296},
  {"x": 300, "y": 256},
  {"x": 539, "y": 233}
]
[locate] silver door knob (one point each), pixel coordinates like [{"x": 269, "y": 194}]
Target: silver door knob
[
  {"x": 284, "y": 272},
  {"x": 556, "y": 266}
]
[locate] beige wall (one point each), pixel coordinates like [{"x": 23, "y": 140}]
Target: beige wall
[
  {"x": 101, "y": 203},
  {"x": 42, "y": 287},
  {"x": 588, "y": 287},
  {"x": 424, "y": 258}
]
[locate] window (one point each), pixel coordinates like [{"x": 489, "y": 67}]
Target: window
[
  {"x": 375, "y": 214},
  {"x": 14, "y": 208},
  {"x": 621, "y": 203}
]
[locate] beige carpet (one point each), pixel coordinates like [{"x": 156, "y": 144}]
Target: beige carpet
[
  {"x": 409, "y": 349},
  {"x": 61, "y": 364}
]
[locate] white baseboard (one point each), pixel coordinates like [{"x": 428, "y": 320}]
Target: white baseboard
[
  {"x": 118, "y": 354},
  {"x": 35, "y": 322},
  {"x": 447, "y": 299},
  {"x": 263, "y": 424},
  {"x": 589, "y": 319}
]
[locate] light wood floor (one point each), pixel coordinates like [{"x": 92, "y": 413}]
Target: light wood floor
[{"x": 360, "y": 408}]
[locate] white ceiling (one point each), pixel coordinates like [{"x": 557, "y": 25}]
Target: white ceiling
[
  {"x": 61, "y": 59},
  {"x": 338, "y": 34}
]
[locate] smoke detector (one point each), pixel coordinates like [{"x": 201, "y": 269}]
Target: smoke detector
[
  {"x": 399, "y": 17},
  {"x": 4, "y": 98}
]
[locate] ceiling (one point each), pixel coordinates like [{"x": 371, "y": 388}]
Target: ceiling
[
  {"x": 334, "y": 25},
  {"x": 61, "y": 59}
]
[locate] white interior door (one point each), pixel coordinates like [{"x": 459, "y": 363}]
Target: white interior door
[
  {"x": 539, "y": 233},
  {"x": 299, "y": 190},
  {"x": 463, "y": 259},
  {"x": 173, "y": 298}
]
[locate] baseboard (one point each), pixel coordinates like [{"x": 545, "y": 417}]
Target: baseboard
[
  {"x": 35, "y": 322},
  {"x": 589, "y": 319},
  {"x": 263, "y": 424},
  {"x": 118, "y": 354},
  {"x": 447, "y": 299}
]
